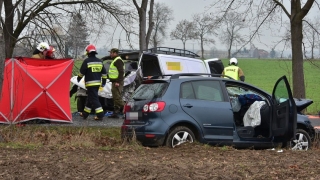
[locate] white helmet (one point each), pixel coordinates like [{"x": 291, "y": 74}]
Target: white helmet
[
  {"x": 233, "y": 61},
  {"x": 43, "y": 46}
]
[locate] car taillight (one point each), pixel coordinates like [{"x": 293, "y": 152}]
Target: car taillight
[
  {"x": 154, "y": 107},
  {"x": 126, "y": 108}
]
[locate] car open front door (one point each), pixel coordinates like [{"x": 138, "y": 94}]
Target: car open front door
[{"x": 284, "y": 121}]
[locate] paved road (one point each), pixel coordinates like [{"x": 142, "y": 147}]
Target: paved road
[{"x": 315, "y": 121}]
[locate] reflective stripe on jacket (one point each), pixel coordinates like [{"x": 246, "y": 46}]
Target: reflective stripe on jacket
[
  {"x": 93, "y": 71},
  {"x": 232, "y": 71},
  {"x": 113, "y": 71}
]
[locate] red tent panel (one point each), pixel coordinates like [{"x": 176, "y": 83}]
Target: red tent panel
[{"x": 36, "y": 89}]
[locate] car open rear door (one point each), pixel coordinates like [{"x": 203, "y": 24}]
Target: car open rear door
[
  {"x": 214, "y": 66},
  {"x": 284, "y": 121}
]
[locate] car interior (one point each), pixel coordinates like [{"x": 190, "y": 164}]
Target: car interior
[{"x": 243, "y": 101}]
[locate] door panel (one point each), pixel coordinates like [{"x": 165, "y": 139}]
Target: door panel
[
  {"x": 284, "y": 121},
  {"x": 203, "y": 101}
]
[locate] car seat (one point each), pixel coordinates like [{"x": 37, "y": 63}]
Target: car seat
[
  {"x": 264, "y": 128},
  {"x": 246, "y": 132}
]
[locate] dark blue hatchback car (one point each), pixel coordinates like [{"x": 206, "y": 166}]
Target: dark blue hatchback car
[{"x": 218, "y": 111}]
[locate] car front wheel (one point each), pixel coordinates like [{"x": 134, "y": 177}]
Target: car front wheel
[
  {"x": 302, "y": 141},
  {"x": 179, "y": 135}
]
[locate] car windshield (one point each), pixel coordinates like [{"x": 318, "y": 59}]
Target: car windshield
[{"x": 150, "y": 91}]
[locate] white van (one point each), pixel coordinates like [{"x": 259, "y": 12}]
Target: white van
[
  {"x": 167, "y": 62},
  {"x": 156, "y": 63}
]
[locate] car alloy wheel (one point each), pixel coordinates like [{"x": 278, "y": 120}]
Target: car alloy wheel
[
  {"x": 302, "y": 141},
  {"x": 179, "y": 135}
]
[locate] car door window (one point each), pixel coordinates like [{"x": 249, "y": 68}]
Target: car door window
[
  {"x": 202, "y": 90},
  {"x": 281, "y": 93},
  {"x": 186, "y": 91}
]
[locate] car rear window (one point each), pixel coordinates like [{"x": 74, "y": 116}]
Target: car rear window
[{"x": 150, "y": 91}]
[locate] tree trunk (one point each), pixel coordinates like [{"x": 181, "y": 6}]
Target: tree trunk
[
  {"x": 142, "y": 23},
  {"x": 142, "y": 30},
  {"x": 6, "y": 38},
  {"x": 155, "y": 43},
  {"x": 297, "y": 59},
  {"x": 8, "y": 29},
  {"x": 151, "y": 23},
  {"x": 202, "y": 50}
]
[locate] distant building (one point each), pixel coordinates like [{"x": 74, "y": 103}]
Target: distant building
[
  {"x": 213, "y": 54},
  {"x": 258, "y": 53}
]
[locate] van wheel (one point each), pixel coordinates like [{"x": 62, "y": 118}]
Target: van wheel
[
  {"x": 302, "y": 141},
  {"x": 179, "y": 135}
]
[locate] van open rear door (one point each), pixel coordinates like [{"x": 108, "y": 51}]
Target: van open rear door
[{"x": 214, "y": 66}]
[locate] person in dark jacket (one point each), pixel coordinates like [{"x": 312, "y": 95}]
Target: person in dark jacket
[
  {"x": 93, "y": 71},
  {"x": 116, "y": 76}
]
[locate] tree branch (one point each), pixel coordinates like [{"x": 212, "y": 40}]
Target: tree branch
[{"x": 282, "y": 7}]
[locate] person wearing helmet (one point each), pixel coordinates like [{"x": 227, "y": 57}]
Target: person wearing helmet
[
  {"x": 49, "y": 54},
  {"x": 116, "y": 76},
  {"x": 93, "y": 71},
  {"x": 40, "y": 50},
  {"x": 233, "y": 70}
]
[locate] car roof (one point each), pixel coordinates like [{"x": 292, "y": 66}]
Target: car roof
[{"x": 166, "y": 51}]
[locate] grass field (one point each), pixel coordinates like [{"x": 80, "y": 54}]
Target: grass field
[{"x": 264, "y": 73}]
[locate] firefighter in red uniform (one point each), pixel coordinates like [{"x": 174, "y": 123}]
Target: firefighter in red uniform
[{"x": 93, "y": 70}]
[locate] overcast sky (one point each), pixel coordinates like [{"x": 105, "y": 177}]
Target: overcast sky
[{"x": 184, "y": 9}]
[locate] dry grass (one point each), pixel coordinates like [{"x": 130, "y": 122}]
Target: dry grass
[{"x": 32, "y": 137}]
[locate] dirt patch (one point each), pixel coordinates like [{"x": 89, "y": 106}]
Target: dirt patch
[{"x": 187, "y": 162}]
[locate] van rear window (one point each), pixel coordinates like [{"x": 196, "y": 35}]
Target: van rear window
[{"x": 150, "y": 91}]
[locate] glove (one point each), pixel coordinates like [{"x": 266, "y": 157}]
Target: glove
[
  {"x": 79, "y": 78},
  {"x": 103, "y": 83}
]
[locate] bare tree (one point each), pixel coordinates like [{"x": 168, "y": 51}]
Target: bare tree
[
  {"x": 311, "y": 35},
  {"x": 264, "y": 12},
  {"x": 232, "y": 24},
  {"x": 204, "y": 25},
  {"x": 184, "y": 31},
  {"x": 144, "y": 35},
  {"x": 162, "y": 16},
  {"x": 22, "y": 19}
]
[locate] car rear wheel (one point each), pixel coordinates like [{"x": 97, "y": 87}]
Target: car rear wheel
[
  {"x": 179, "y": 135},
  {"x": 302, "y": 141}
]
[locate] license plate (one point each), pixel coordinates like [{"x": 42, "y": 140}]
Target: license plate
[{"x": 133, "y": 115}]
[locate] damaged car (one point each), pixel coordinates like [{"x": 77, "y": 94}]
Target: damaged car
[{"x": 184, "y": 108}]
